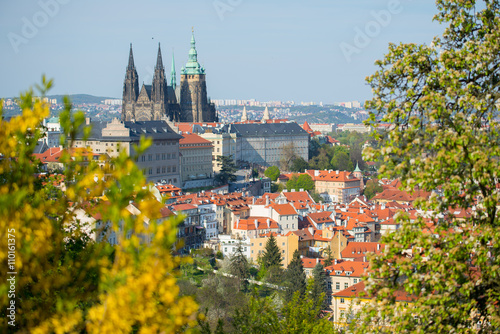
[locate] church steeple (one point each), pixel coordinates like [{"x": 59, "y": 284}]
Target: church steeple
[
  {"x": 244, "y": 116},
  {"x": 173, "y": 80},
  {"x": 159, "y": 61},
  {"x": 266, "y": 116},
  {"x": 192, "y": 66},
  {"x": 131, "y": 65}
]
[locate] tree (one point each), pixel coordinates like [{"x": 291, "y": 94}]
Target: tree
[
  {"x": 329, "y": 257},
  {"x": 295, "y": 277},
  {"x": 272, "y": 172},
  {"x": 442, "y": 100},
  {"x": 262, "y": 315},
  {"x": 302, "y": 181},
  {"x": 271, "y": 257},
  {"x": 341, "y": 161},
  {"x": 319, "y": 287},
  {"x": 65, "y": 281},
  {"x": 372, "y": 188},
  {"x": 299, "y": 165},
  {"x": 239, "y": 266},
  {"x": 288, "y": 155},
  {"x": 227, "y": 169}
]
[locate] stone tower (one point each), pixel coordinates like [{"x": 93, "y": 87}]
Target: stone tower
[
  {"x": 194, "y": 104},
  {"x": 159, "y": 90},
  {"x": 130, "y": 89},
  {"x": 359, "y": 175}
]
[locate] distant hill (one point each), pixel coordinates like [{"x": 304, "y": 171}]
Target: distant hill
[{"x": 81, "y": 98}]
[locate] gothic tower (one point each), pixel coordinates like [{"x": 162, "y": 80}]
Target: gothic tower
[
  {"x": 194, "y": 104},
  {"x": 130, "y": 89},
  {"x": 159, "y": 90}
]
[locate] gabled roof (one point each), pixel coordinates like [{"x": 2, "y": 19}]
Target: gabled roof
[
  {"x": 360, "y": 249},
  {"x": 249, "y": 224},
  {"x": 284, "y": 209},
  {"x": 348, "y": 268},
  {"x": 298, "y": 196},
  {"x": 331, "y": 175},
  {"x": 190, "y": 139}
]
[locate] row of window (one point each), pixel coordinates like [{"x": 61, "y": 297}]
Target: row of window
[
  {"x": 160, "y": 170},
  {"x": 159, "y": 156}
]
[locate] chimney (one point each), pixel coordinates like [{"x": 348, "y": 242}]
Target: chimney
[
  {"x": 337, "y": 172},
  {"x": 301, "y": 189},
  {"x": 237, "y": 223},
  {"x": 311, "y": 230},
  {"x": 361, "y": 210},
  {"x": 88, "y": 120},
  {"x": 267, "y": 199},
  {"x": 378, "y": 246},
  {"x": 293, "y": 190},
  {"x": 316, "y": 173},
  {"x": 268, "y": 223},
  {"x": 383, "y": 206},
  {"x": 256, "y": 222},
  {"x": 335, "y": 261},
  {"x": 253, "y": 200},
  {"x": 317, "y": 260}
]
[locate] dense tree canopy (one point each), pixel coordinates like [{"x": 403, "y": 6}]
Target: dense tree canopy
[
  {"x": 443, "y": 101},
  {"x": 372, "y": 188},
  {"x": 295, "y": 278},
  {"x": 65, "y": 281},
  {"x": 302, "y": 181},
  {"x": 272, "y": 172}
]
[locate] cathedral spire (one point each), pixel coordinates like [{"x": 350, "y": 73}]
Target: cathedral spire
[
  {"x": 192, "y": 66},
  {"x": 244, "y": 116},
  {"x": 173, "y": 80},
  {"x": 130, "y": 59},
  {"x": 159, "y": 61}
]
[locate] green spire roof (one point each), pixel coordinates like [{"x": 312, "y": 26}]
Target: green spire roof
[
  {"x": 192, "y": 66},
  {"x": 357, "y": 168}
]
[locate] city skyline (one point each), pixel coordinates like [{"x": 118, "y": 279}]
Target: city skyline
[{"x": 319, "y": 51}]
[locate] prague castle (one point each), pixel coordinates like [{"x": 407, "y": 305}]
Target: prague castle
[{"x": 187, "y": 102}]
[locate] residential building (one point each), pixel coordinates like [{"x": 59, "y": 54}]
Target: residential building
[
  {"x": 196, "y": 161},
  {"x": 160, "y": 162},
  {"x": 335, "y": 186},
  {"x": 287, "y": 244}
]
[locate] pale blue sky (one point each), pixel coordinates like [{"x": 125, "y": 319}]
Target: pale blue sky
[{"x": 267, "y": 50}]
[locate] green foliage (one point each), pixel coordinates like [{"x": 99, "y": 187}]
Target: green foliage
[
  {"x": 277, "y": 187},
  {"x": 295, "y": 278},
  {"x": 239, "y": 267},
  {"x": 227, "y": 169},
  {"x": 271, "y": 257},
  {"x": 341, "y": 161},
  {"x": 299, "y": 165},
  {"x": 329, "y": 257},
  {"x": 372, "y": 188},
  {"x": 319, "y": 288},
  {"x": 302, "y": 181},
  {"x": 67, "y": 282},
  {"x": 272, "y": 172},
  {"x": 442, "y": 99},
  {"x": 263, "y": 315}
]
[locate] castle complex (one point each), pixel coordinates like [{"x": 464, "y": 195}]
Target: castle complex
[{"x": 185, "y": 103}]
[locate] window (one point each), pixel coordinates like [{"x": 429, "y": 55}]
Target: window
[
  {"x": 329, "y": 285},
  {"x": 260, "y": 244},
  {"x": 150, "y": 170},
  {"x": 163, "y": 169},
  {"x": 337, "y": 285},
  {"x": 174, "y": 168},
  {"x": 355, "y": 280},
  {"x": 173, "y": 155},
  {"x": 157, "y": 170},
  {"x": 150, "y": 157},
  {"x": 342, "y": 301},
  {"x": 168, "y": 156},
  {"x": 283, "y": 251},
  {"x": 163, "y": 156},
  {"x": 157, "y": 156},
  {"x": 346, "y": 285},
  {"x": 143, "y": 158}
]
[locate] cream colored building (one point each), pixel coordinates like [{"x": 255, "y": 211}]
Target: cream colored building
[
  {"x": 335, "y": 186},
  {"x": 160, "y": 162},
  {"x": 287, "y": 244},
  {"x": 224, "y": 144}
]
